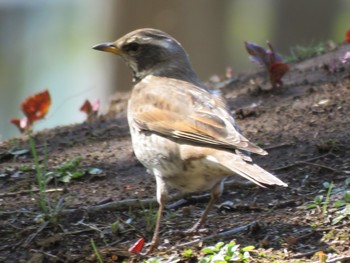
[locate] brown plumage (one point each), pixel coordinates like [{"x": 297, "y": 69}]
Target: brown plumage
[{"x": 183, "y": 134}]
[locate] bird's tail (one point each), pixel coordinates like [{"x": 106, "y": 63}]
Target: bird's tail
[{"x": 248, "y": 170}]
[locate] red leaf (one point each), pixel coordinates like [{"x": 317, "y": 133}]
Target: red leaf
[
  {"x": 257, "y": 54},
  {"x": 272, "y": 61},
  {"x": 22, "y": 125},
  {"x": 36, "y": 106},
  {"x": 89, "y": 107},
  {"x": 138, "y": 246},
  {"x": 347, "y": 36},
  {"x": 86, "y": 107},
  {"x": 277, "y": 70}
]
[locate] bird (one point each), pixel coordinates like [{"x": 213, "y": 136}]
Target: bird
[{"x": 183, "y": 133}]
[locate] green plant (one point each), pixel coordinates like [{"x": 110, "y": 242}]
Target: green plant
[
  {"x": 299, "y": 53},
  {"x": 187, "y": 253},
  {"x": 344, "y": 204},
  {"x": 44, "y": 203},
  {"x": 225, "y": 253},
  {"x": 320, "y": 201},
  {"x": 150, "y": 217},
  {"x": 171, "y": 259},
  {"x": 316, "y": 203},
  {"x": 341, "y": 207},
  {"x": 328, "y": 186},
  {"x": 67, "y": 171},
  {"x": 48, "y": 211},
  {"x": 115, "y": 227},
  {"x": 342, "y": 214},
  {"x": 97, "y": 254}
]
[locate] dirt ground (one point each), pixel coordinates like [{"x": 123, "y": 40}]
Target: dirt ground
[{"x": 304, "y": 125}]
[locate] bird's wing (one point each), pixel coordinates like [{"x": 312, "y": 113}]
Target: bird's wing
[{"x": 180, "y": 110}]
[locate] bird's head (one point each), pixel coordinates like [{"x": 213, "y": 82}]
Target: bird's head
[{"x": 152, "y": 52}]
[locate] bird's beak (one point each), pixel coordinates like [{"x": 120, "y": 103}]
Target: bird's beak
[{"x": 108, "y": 47}]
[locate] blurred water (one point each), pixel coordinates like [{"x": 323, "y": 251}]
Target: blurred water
[{"x": 47, "y": 44}]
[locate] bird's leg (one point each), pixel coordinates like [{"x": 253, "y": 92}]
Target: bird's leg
[
  {"x": 162, "y": 195},
  {"x": 155, "y": 239},
  {"x": 215, "y": 194}
]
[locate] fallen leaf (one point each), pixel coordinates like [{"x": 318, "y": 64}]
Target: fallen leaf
[
  {"x": 138, "y": 246},
  {"x": 322, "y": 257}
]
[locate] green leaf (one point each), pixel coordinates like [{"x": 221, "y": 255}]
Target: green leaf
[
  {"x": 344, "y": 213},
  {"x": 347, "y": 181},
  {"x": 65, "y": 178},
  {"x": 311, "y": 206},
  {"x": 219, "y": 245},
  {"x": 326, "y": 185},
  {"x": 187, "y": 253},
  {"x": 208, "y": 250},
  {"x": 339, "y": 203},
  {"x": 19, "y": 152},
  {"x": 26, "y": 168},
  {"x": 248, "y": 248},
  {"x": 69, "y": 165},
  {"x": 77, "y": 174},
  {"x": 218, "y": 259},
  {"x": 347, "y": 197},
  {"x": 318, "y": 199}
]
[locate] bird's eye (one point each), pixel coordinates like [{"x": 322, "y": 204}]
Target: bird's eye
[{"x": 133, "y": 47}]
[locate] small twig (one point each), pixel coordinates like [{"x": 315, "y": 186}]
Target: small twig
[
  {"x": 319, "y": 165},
  {"x": 278, "y": 146},
  {"x": 307, "y": 161},
  {"x": 32, "y": 236},
  {"x": 78, "y": 232},
  {"x": 117, "y": 205},
  {"x": 136, "y": 203},
  {"x": 30, "y": 192},
  {"x": 17, "y": 212},
  {"x": 284, "y": 204},
  {"x": 91, "y": 226},
  {"x": 345, "y": 258},
  {"x": 230, "y": 232},
  {"x": 238, "y": 184},
  {"x": 47, "y": 254},
  {"x": 306, "y": 254}
]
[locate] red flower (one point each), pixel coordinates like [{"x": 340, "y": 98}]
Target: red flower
[{"x": 347, "y": 36}]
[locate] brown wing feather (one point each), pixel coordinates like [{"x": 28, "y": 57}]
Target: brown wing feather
[{"x": 181, "y": 110}]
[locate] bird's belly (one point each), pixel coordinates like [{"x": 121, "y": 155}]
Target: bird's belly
[
  {"x": 161, "y": 157},
  {"x": 197, "y": 175}
]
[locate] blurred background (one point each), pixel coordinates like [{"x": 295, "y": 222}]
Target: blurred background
[{"x": 47, "y": 44}]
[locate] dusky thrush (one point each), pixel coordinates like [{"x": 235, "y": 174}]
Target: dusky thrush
[{"x": 181, "y": 132}]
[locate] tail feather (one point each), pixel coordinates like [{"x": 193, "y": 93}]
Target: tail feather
[{"x": 249, "y": 170}]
